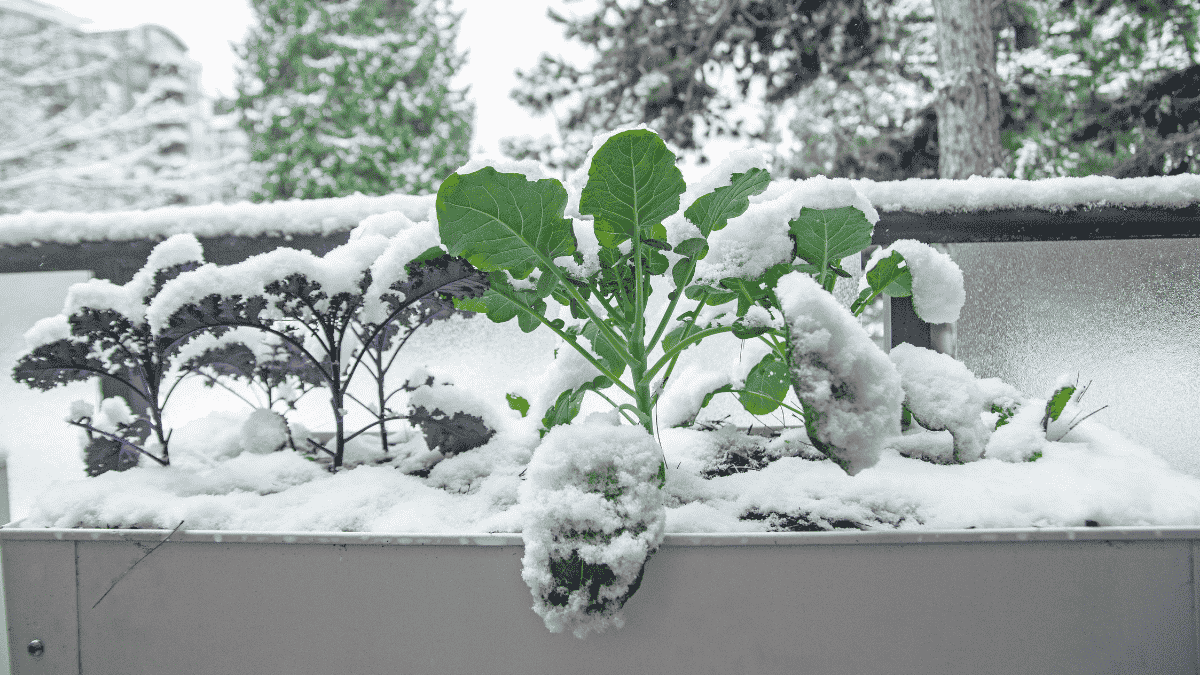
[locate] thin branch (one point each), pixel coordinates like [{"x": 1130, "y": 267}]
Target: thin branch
[
  {"x": 118, "y": 439},
  {"x": 114, "y": 584}
]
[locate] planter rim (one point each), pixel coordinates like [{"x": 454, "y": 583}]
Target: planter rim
[{"x": 998, "y": 535}]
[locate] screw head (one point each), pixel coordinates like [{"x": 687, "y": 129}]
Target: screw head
[{"x": 36, "y": 648}]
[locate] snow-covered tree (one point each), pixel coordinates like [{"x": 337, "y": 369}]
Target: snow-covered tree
[
  {"x": 687, "y": 68},
  {"x": 345, "y": 96},
  {"x": 846, "y": 88},
  {"x": 99, "y": 121}
]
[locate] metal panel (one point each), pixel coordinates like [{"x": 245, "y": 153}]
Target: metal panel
[
  {"x": 1029, "y": 607},
  {"x": 39, "y": 589}
]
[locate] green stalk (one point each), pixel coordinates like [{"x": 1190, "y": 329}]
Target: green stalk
[{"x": 570, "y": 339}]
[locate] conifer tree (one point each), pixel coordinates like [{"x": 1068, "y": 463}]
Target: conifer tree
[{"x": 345, "y": 96}]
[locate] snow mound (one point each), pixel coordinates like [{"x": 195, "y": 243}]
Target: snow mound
[
  {"x": 593, "y": 513},
  {"x": 942, "y": 394}
]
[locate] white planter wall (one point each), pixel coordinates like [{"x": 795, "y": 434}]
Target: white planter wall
[{"x": 1061, "y": 601}]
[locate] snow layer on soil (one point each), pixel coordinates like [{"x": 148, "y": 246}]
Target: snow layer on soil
[{"x": 1092, "y": 473}]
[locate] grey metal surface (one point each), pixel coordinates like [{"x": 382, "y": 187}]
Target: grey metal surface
[
  {"x": 671, "y": 539},
  {"x": 39, "y": 589},
  {"x": 1116, "y": 605}
]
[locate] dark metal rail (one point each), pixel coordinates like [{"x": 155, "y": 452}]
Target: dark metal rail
[{"x": 118, "y": 261}]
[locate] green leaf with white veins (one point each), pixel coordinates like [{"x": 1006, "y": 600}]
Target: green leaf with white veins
[
  {"x": 503, "y": 221},
  {"x": 824, "y": 236},
  {"x": 713, "y": 211},
  {"x": 633, "y": 185}
]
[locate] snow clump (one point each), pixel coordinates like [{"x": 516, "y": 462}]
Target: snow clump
[
  {"x": 592, "y": 514},
  {"x": 942, "y": 394},
  {"x": 263, "y": 432},
  {"x": 839, "y": 372},
  {"x": 937, "y": 282}
]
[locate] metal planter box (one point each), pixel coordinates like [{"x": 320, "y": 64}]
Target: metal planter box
[{"x": 1055, "y": 601}]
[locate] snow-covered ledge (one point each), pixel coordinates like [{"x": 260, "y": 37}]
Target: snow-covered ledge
[
  {"x": 327, "y": 216},
  {"x": 244, "y": 219},
  {"x": 1062, "y": 601}
]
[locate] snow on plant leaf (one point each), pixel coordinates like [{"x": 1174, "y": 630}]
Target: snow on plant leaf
[
  {"x": 943, "y": 394},
  {"x": 713, "y": 211},
  {"x": 849, "y": 388},
  {"x": 824, "y": 236},
  {"x": 501, "y": 221},
  {"x": 633, "y": 185},
  {"x": 937, "y": 282}
]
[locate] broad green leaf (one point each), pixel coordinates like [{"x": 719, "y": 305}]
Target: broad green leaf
[
  {"x": 723, "y": 389},
  {"x": 713, "y": 211},
  {"x": 682, "y": 273},
  {"x": 825, "y": 236},
  {"x": 676, "y": 335},
  {"x": 715, "y": 297},
  {"x": 503, "y": 221},
  {"x": 633, "y": 185},
  {"x": 766, "y": 385},
  {"x": 518, "y": 403},
  {"x": 564, "y": 409},
  {"x": 744, "y": 332},
  {"x": 499, "y": 308},
  {"x": 891, "y": 276},
  {"x": 529, "y": 322},
  {"x": 546, "y": 284},
  {"x": 428, "y": 254},
  {"x": 860, "y": 303},
  {"x": 470, "y": 304},
  {"x": 658, "y": 262},
  {"x": 696, "y": 247}
]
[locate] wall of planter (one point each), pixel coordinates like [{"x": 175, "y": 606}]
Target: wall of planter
[{"x": 1086, "y": 600}]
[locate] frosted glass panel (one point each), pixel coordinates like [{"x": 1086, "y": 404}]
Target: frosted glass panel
[{"x": 1123, "y": 314}]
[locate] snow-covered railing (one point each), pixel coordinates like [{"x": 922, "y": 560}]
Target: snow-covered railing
[{"x": 114, "y": 245}]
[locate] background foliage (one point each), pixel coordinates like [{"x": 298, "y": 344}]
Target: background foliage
[
  {"x": 353, "y": 96},
  {"x": 846, "y": 87}
]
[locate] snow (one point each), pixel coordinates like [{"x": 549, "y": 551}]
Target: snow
[
  {"x": 235, "y": 471},
  {"x": 292, "y": 217},
  {"x": 942, "y": 394},
  {"x": 338, "y": 271},
  {"x": 326, "y": 216},
  {"x": 263, "y": 432},
  {"x": 1092, "y": 473},
  {"x": 595, "y": 477},
  {"x": 846, "y": 378},
  {"x": 937, "y": 282}
]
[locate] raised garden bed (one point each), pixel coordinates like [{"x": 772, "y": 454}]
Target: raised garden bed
[{"x": 1057, "y": 601}]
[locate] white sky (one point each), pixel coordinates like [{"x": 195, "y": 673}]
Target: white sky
[{"x": 501, "y": 35}]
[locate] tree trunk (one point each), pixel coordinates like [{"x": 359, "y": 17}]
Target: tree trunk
[
  {"x": 968, "y": 96},
  {"x": 968, "y": 109}
]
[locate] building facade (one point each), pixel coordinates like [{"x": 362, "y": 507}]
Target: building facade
[{"x": 102, "y": 120}]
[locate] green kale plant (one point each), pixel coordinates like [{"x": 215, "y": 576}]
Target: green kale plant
[
  {"x": 106, "y": 336},
  {"x": 515, "y": 230},
  {"x": 329, "y": 331}
]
